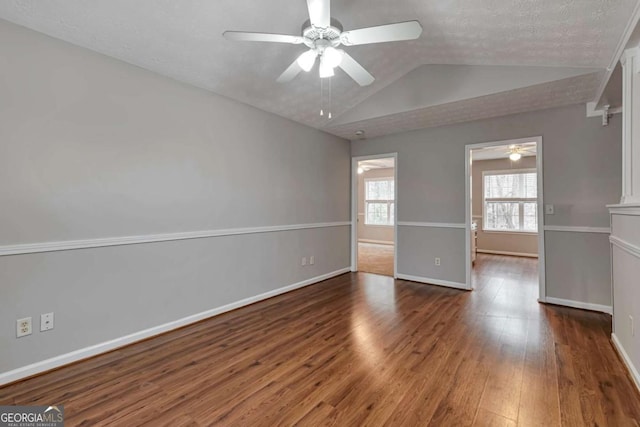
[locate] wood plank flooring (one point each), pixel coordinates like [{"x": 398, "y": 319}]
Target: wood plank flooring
[
  {"x": 375, "y": 258},
  {"x": 362, "y": 349}
]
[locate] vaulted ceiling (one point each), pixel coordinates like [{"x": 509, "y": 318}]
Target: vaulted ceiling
[{"x": 475, "y": 59}]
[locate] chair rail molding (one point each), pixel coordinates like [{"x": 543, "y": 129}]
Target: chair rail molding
[
  {"x": 29, "y": 248},
  {"x": 577, "y": 229}
]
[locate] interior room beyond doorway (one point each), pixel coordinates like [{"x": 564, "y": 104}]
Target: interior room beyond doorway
[{"x": 376, "y": 216}]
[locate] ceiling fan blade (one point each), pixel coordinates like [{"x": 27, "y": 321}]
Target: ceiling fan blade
[
  {"x": 261, "y": 37},
  {"x": 355, "y": 70},
  {"x": 381, "y": 34},
  {"x": 290, "y": 73},
  {"x": 319, "y": 13}
]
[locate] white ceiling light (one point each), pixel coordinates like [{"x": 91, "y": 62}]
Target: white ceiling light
[
  {"x": 515, "y": 156},
  {"x": 307, "y": 59},
  {"x": 360, "y": 171},
  {"x": 333, "y": 56},
  {"x": 326, "y": 70}
]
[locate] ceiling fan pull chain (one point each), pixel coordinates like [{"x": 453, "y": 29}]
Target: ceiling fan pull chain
[
  {"x": 330, "y": 105},
  {"x": 321, "y": 98}
]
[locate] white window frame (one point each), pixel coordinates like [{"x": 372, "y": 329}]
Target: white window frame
[
  {"x": 390, "y": 222},
  {"x": 520, "y": 200}
]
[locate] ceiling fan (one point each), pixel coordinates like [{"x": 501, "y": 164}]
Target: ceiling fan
[
  {"x": 517, "y": 151},
  {"x": 323, "y": 34}
]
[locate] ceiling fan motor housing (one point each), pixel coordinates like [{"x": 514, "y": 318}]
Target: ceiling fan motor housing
[{"x": 321, "y": 38}]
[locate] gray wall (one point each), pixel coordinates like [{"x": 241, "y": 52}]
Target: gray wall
[
  {"x": 582, "y": 170},
  {"x": 521, "y": 243},
  {"x": 92, "y": 148},
  {"x": 381, "y": 233}
]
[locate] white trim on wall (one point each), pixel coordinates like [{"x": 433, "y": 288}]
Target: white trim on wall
[
  {"x": 576, "y": 229},
  {"x": 431, "y": 224},
  {"x": 84, "y": 353},
  {"x": 578, "y": 304},
  {"x": 29, "y": 248},
  {"x": 429, "y": 281},
  {"x": 492, "y": 252},
  {"x": 626, "y": 359},
  {"x": 629, "y": 248},
  {"x": 630, "y": 209}
]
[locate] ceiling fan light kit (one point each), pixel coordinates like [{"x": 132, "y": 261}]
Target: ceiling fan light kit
[
  {"x": 323, "y": 34},
  {"x": 307, "y": 59}
]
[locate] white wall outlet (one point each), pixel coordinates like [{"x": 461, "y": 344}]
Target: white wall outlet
[
  {"x": 46, "y": 322},
  {"x": 23, "y": 327},
  {"x": 633, "y": 332},
  {"x": 304, "y": 261},
  {"x": 437, "y": 261},
  {"x": 549, "y": 209},
  {"x": 312, "y": 260}
]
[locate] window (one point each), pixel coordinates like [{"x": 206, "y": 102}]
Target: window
[
  {"x": 510, "y": 201},
  {"x": 379, "y": 201}
]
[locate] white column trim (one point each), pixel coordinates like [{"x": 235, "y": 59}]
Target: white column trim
[
  {"x": 629, "y": 248},
  {"x": 630, "y": 209},
  {"x": 630, "y": 141},
  {"x": 29, "y": 248}
]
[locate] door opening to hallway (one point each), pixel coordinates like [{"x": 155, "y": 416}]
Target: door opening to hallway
[{"x": 375, "y": 194}]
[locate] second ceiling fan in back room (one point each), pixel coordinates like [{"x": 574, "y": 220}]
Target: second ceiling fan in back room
[{"x": 323, "y": 35}]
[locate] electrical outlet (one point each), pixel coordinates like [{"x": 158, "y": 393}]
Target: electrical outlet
[
  {"x": 23, "y": 327},
  {"x": 304, "y": 261},
  {"x": 312, "y": 260},
  {"x": 633, "y": 332},
  {"x": 437, "y": 261},
  {"x": 46, "y": 322}
]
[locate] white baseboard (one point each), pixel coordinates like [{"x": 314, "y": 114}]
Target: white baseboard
[
  {"x": 524, "y": 254},
  {"x": 378, "y": 242},
  {"x": 429, "y": 281},
  {"x": 626, "y": 359},
  {"x": 74, "y": 356},
  {"x": 578, "y": 304}
]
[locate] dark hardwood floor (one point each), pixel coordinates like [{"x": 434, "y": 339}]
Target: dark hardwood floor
[{"x": 362, "y": 349}]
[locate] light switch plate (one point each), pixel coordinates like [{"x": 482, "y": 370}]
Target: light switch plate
[{"x": 549, "y": 209}]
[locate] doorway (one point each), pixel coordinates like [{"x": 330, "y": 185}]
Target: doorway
[
  {"x": 504, "y": 215},
  {"x": 374, "y": 213}
]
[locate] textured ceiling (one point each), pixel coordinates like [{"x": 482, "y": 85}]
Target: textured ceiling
[
  {"x": 547, "y": 95},
  {"x": 183, "y": 40}
]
